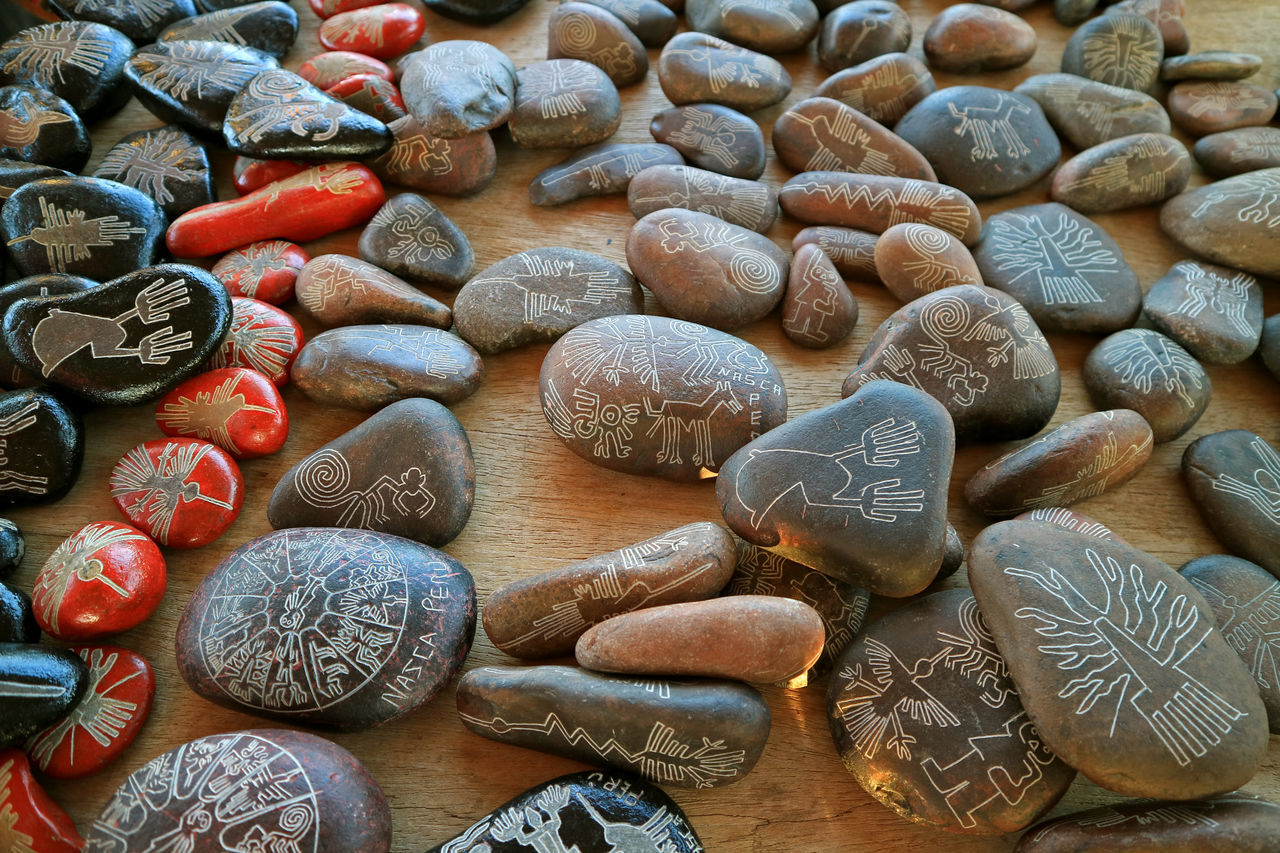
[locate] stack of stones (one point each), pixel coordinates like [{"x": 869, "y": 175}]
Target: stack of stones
[{"x": 347, "y": 615}]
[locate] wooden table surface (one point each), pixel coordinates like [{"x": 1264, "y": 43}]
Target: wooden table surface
[{"x": 538, "y": 506}]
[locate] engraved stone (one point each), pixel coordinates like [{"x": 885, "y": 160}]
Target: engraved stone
[
  {"x": 17, "y": 619},
  {"x": 596, "y": 35},
  {"x": 913, "y": 259},
  {"x": 563, "y": 103},
  {"x": 651, "y": 21},
  {"x": 605, "y": 169},
  {"x": 1231, "y": 476},
  {"x": 968, "y": 37},
  {"x": 34, "y": 821},
  {"x": 1131, "y": 171},
  {"x": 876, "y": 203},
  {"x": 249, "y": 174},
  {"x": 333, "y": 66},
  {"x": 1071, "y": 13},
  {"x": 1212, "y": 311},
  {"x": 15, "y": 173},
  {"x": 370, "y": 94},
  {"x": 686, "y": 734},
  {"x": 475, "y": 11},
  {"x": 1143, "y": 370},
  {"x": 769, "y": 26},
  {"x": 413, "y": 238},
  {"x": 455, "y": 88},
  {"x": 41, "y": 447},
  {"x": 38, "y": 686},
  {"x": 12, "y": 548},
  {"x": 266, "y": 270},
  {"x": 1123, "y": 49},
  {"x": 852, "y": 251},
  {"x": 818, "y": 311},
  {"x": 927, "y": 719},
  {"x": 81, "y": 62},
  {"x": 1165, "y": 14},
  {"x": 1069, "y": 520},
  {"x": 236, "y": 408},
  {"x": 382, "y": 30},
  {"x": 1231, "y": 222},
  {"x": 539, "y": 294},
  {"x": 882, "y": 88},
  {"x": 714, "y": 137},
  {"x": 38, "y": 127},
  {"x": 823, "y": 134},
  {"x": 341, "y": 291},
  {"x": 978, "y": 352},
  {"x": 192, "y": 83},
  {"x": 1143, "y": 712},
  {"x": 855, "y": 32},
  {"x": 657, "y": 396},
  {"x": 269, "y": 26},
  {"x": 460, "y": 166},
  {"x": 751, "y": 204},
  {"x": 140, "y": 20},
  {"x": 1234, "y": 152},
  {"x": 1087, "y": 113},
  {"x": 48, "y": 284},
  {"x": 1202, "y": 107},
  {"x": 698, "y": 68},
  {"x": 166, "y": 164},
  {"x": 1210, "y": 65},
  {"x": 261, "y": 337},
  {"x": 182, "y": 492}
]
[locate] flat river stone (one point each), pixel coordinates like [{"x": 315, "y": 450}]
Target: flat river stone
[
  {"x": 879, "y": 519},
  {"x": 1143, "y": 370},
  {"x": 687, "y": 734},
  {"x": 651, "y": 21},
  {"x": 269, "y": 26},
  {"x": 43, "y": 447},
  {"x": 856, "y": 32},
  {"x": 877, "y": 203},
  {"x": 680, "y": 400},
  {"x": 1122, "y": 49},
  {"x": 321, "y": 797},
  {"x": 1214, "y": 312},
  {"x": 166, "y": 164},
  {"x": 460, "y": 166},
  {"x": 769, "y": 26},
  {"x": 563, "y": 103},
  {"x": 543, "y": 615},
  {"x": 81, "y": 62},
  {"x": 1169, "y": 713},
  {"x": 605, "y": 169},
  {"x": 818, "y": 310},
  {"x": 192, "y": 83},
  {"x": 1232, "y": 476},
  {"x": 713, "y": 136},
  {"x": 914, "y": 259},
  {"x": 751, "y": 204},
  {"x": 539, "y": 294},
  {"x": 823, "y": 134},
  {"x": 1231, "y": 222},
  {"x": 1082, "y": 458},
  {"x": 1062, "y": 266},
  {"x": 423, "y": 491},
  {"x": 699, "y": 68},
  {"x": 38, "y": 686},
  {"x": 852, "y": 251},
  {"x": 1210, "y": 65},
  {"x": 411, "y": 237},
  {"x": 943, "y": 741},
  {"x": 592, "y": 34},
  {"x": 367, "y": 367},
  {"x": 978, "y": 352},
  {"x": 968, "y": 37},
  {"x": 883, "y": 88},
  {"x": 454, "y": 88},
  {"x": 38, "y": 127},
  {"x": 1132, "y": 171},
  {"x": 1208, "y": 106},
  {"x": 342, "y": 291},
  {"x": 1086, "y": 112},
  {"x": 592, "y": 810},
  {"x": 1234, "y": 152},
  {"x": 337, "y": 628}
]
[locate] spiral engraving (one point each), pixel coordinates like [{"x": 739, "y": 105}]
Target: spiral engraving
[
  {"x": 576, "y": 32},
  {"x": 926, "y": 240},
  {"x": 754, "y": 272},
  {"x": 945, "y": 317},
  {"x": 323, "y": 479}
]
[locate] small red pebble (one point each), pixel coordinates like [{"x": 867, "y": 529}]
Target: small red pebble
[
  {"x": 107, "y": 719},
  {"x": 182, "y": 492},
  {"x": 329, "y": 8},
  {"x": 238, "y": 409},
  {"x": 326, "y": 69},
  {"x": 249, "y": 174},
  {"x": 381, "y": 31},
  {"x": 103, "y": 579},
  {"x": 29, "y": 819},
  {"x": 307, "y": 206},
  {"x": 261, "y": 338},
  {"x": 370, "y": 94},
  {"x": 265, "y": 270}
]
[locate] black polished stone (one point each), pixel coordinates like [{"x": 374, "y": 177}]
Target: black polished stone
[
  {"x": 43, "y": 448},
  {"x": 17, "y": 620},
  {"x": 38, "y": 127},
  {"x": 166, "y": 163},
  {"x": 140, "y": 20},
  {"x": 46, "y": 284},
  {"x": 192, "y": 83},
  {"x": 12, "y": 547},
  {"x": 269, "y": 26},
  {"x": 81, "y": 62},
  {"x": 38, "y": 685}
]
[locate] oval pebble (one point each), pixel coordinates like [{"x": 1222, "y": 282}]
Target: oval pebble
[
  {"x": 969, "y": 37},
  {"x": 751, "y": 204},
  {"x": 1143, "y": 370},
  {"x": 1131, "y": 171}
]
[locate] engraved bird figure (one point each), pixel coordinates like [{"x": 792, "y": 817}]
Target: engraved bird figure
[
  {"x": 1264, "y": 491},
  {"x": 163, "y": 484},
  {"x": 21, "y": 125}
]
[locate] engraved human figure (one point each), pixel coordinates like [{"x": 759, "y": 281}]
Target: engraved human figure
[
  {"x": 1129, "y": 53},
  {"x": 151, "y": 163},
  {"x": 18, "y": 481},
  {"x": 208, "y": 414},
  {"x": 71, "y": 560},
  {"x": 20, "y": 125},
  {"x": 414, "y": 239},
  {"x": 163, "y": 484},
  {"x": 711, "y": 135},
  {"x": 1264, "y": 490},
  {"x": 816, "y": 301},
  {"x": 1251, "y": 627},
  {"x": 1260, "y": 190},
  {"x": 1229, "y": 297},
  {"x": 991, "y": 127},
  {"x": 1059, "y": 254},
  {"x": 61, "y": 334},
  {"x": 43, "y": 51},
  {"x": 323, "y": 480},
  {"x": 68, "y": 236},
  {"x": 99, "y": 715},
  {"x": 608, "y": 425}
]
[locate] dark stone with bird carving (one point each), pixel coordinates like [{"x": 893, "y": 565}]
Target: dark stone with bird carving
[{"x": 42, "y": 128}]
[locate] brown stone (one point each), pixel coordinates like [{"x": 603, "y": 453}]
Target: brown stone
[
  {"x": 824, "y": 134},
  {"x": 367, "y": 367},
  {"x": 1166, "y": 15},
  {"x": 410, "y": 236},
  {"x": 882, "y": 88},
  {"x": 1069, "y": 520},
  {"x": 968, "y": 37},
  {"x": 714, "y": 137},
  {"x": 342, "y": 291},
  {"x": 750, "y": 204},
  {"x": 875, "y": 203},
  {"x": 539, "y": 294},
  {"x": 1087, "y": 113},
  {"x": 697, "y": 68},
  {"x": 852, "y": 251},
  {"x": 1123, "y": 49},
  {"x": 769, "y": 26},
  {"x": 863, "y": 29},
  {"x": 456, "y": 88},
  {"x": 818, "y": 310},
  {"x": 563, "y": 103},
  {"x": 594, "y": 34},
  {"x": 1210, "y": 65},
  {"x": 463, "y": 165},
  {"x": 1143, "y": 370},
  {"x": 755, "y": 638},
  {"x": 705, "y": 270},
  {"x": 1214, "y": 312},
  {"x": 1131, "y": 171},
  {"x": 651, "y": 21},
  {"x": 543, "y": 615},
  {"x": 1232, "y": 222},
  {"x": 1234, "y": 152},
  {"x": 1082, "y": 458},
  {"x": 1140, "y": 711},
  {"x": 926, "y": 718},
  {"x": 689, "y": 734},
  {"x": 953, "y": 554},
  {"x": 1201, "y": 107},
  {"x": 605, "y": 169},
  {"x": 914, "y": 259},
  {"x": 1230, "y": 476}
]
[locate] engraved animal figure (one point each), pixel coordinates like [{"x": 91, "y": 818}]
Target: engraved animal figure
[
  {"x": 629, "y": 838},
  {"x": 839, "y": 137},
  {"x": 1264, "y": 492},
  {"x": 163, "y": 485},
  {"x": 323, "y": 480},
  {"x": 1126, "y": 645},
  {"x": 603, "y": 169},
  {"x": 826, "y": 479},
  {"x": 711, "y": 135},
  {"x": 1093, "y": 477},
  {"x": 425, "y": 347},
  {"x": 208, "y": 415},
  {"x": 889, "y": 77},
  {"x": 607, "y": 424},
  {"x": 772, "y": 7},
  {"x": 281, "y": 102},
  {"x": 1169, "y": 814},
  {"x": 10, "y": 480},
  {"x": 1130, "y": 171},
  {"x": 673, "y": 418},
  {"x": 593, "y": 288},
  {"x": 223, "y": 26},
  {"x": 928, "y": 271},
  {"x": 148, "y": 165},
  {"x": 99, "y": 715},
  {"x": 1212, "y": 97},
  {"x": 148, "y": 12},
  {"x": 1095, "y": 114},
  {"x": 1229, "y": 297},
  {"x": 415, "y": 239},
  {"x": 196, "y": 68},
  {"x": 1256, "y": 147},
  {"x": 61, "y": 334},
  {"x": 1129, "y": 54},
  {"x": 12, "y": 839},
  {"x": 1146, "y": 358},
  {"x": 44, "y": 51},
  {"x": 1261, "y": 191},
  {"x": 556, "y": 88},
  {"x": 71, "y": 560},
  {"x": 1059, "y": 256},
  {"x": 419, "y": 153},
  {"x": 1251, "y": 627},
  {"x": 724, "y": 64},
  {"x": 615, "y": 348},
  {"x": 359, "y": 26},
  {"x": 68, "y": 237},
  {"x": 20, "y": 125},
  {"x": 247, "y": 269},
  {"x": 711, "y": 358},
  {"x": 886, "y": 692},
  {"x": 253, "y": 342},
  {"x": 707, "y": 192},
  {"x": 749, "y": 269},
  {"x": 992, "y": 126}
]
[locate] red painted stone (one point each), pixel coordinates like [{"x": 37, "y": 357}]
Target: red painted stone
[
  {"x": 332, "y": 66},
  {"x": 249, "y": 174},
  {"x": 103, "y": 579},
  {"x": 370, "y": 94},
  {"x": 236, "y": 408},
  {"x": 105, "y": 722},
  {"x": 182, "y": 492},
  {"x": 265, "y": 270},
  {"x": 261, "y": 338},
  {"x": 329, "y": 8},
  {"x": 382, "y": 31},
  {"x": 307, "y": 206},
  {"x": 29, "y": 819}
]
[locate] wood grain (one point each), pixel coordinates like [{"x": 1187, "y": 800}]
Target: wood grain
[{"x": 539, "y": 506}]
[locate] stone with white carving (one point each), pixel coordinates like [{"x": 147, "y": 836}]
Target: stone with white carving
[
  {"x": 604, "y": 169},
  {"x": 372, "y": 94},
  {"x": 823, "y": 134},
  {"x": 1210, "y": 65},
  {"x": 751, "y": 204},
  {"x": 42, "y": 128},
  {"x": 81, "y": 62},
  {"x": 713, "y": 137},
  {"x": 852, "y": 251},
  {"x": 265, "y": 270},
  {"x": 333, "y": 66},
  {"x": 1083, "y": 458},
  {"x": 978, "y": 352},
  {"x": 269, "y": 26},
  {"x": 651, "y": 21},
  {"x": 818, "y": 310},
  {"x": 17, "y": 618},
  {"x": 1132, "y": 171},
  {"x": 1234, "y": 152},
  {"x": 769, "y": 26},
  {"x": 367, "y": 367},
  {"x": 272, "y": 787},
  {"x": 877, "y": 203},
  {"x": 1231, "y": 222},
  {"x": 413, "y": 238},
  {"x": 1165, "y": 14},
  {"x": 34, "y": 822},
  {"x": 705, "y": 270},
  {"x": 969, "y": 37},
  {"x": 1068, "y": 519},
  {"x": 1062, "y": 266},
  {"x": 563, "y": 103},
  {"x": 913, "y": 259},
  {"x": 685, "y": 734},
  {"x": 382, "y": 30},
  {"x": 12, "y": 548},
  {"x": 1087, "y": 113},
  {"x": 182, "y": 492},
  {"x": 1238, "y": 822},
  {"x": 592, "y": 810},
  {"x": 126, "y": 341},
  {"x": 460, "y": 166},
  {"x": 191, "y": 83},
  {"x": 260, "y": 337},
  {"x": 658, "y": 396},
  {"x": 543, "y": 615},
  {"x": 1232, "y": 478},
  {"x": 698, "y": 68},
  {"x": 236, "y": 408},
  {"x": 853, "y": 33},
  {"x": 539, "y": 294},
  {"x": 455, "y": 88},
  {"x": 140, "y": 20},
  {"x": 1201, "y": 107},
  {"x": 927, "y": 719},
  {"x": 1122, "y": 49},
  {"x": 15, "y": 173},
  {"x": 1071, "y": 13},
  {"x": 39, "y": 684},
  {"x": 1214, "y": 312},
  {"x": 342, "y": 291},
  {"x": 41, "y": 447},
  {"x": 882, "y": 88},
  {"x": 1146, "y": 371},
  {"x": 166, "y": 164},
  {"x": 596, "y": 35},
  {"x": 47, "y": 284},
  {"x": 857, "y": 489}
]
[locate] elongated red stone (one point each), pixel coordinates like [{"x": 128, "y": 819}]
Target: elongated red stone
[
  {"x": 29, "y": 819},
  {"x": 382, "y": 31},
  {"x": 236, "y": 408},
  {"x": 329, "y": 8},
  {"x": 307, "y": 206},
  {"x": 370, "y": 94},
  {"x": 249, "y": 174},
  {"x": 325, "y": 69},
  {"x": 182, "y": 492},
  {"x": 261, "y": 338},
  {"x": 266, "y": 270}
]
